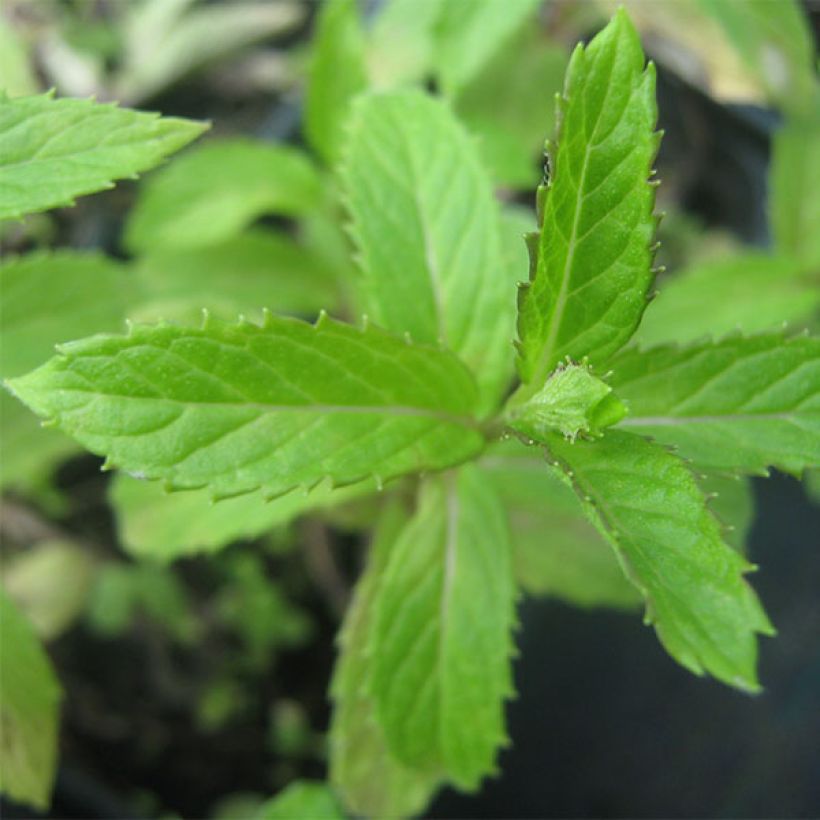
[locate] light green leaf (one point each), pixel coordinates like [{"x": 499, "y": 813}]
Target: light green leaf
[
  {"x": 741, "y": 51},
  {"x": 29, "y": 712},
  {"x": 737, "y": 405},
  {"x": 211, "y": 193},
  {"x": 302, "y": 800},
  {"x": 749, "y": 292},
  {"x": 572, "y": 401},
  {"x": 30, "y": 452},
  {"x": 35, "y": 579},
  {"x": 401, "y": 42},
  {"x": 556, "y": 551},
  {"x": 441, "y": 643},
  {"x": 591, "y": 268},
  {"x": 794, "y": 183},
  {"x": 509, "y": 105},
  {"x": 16, "y": 71},
  {"x": 54, "y": 150},
  {"x": 427, "y": 228},
  {"x": 236, "y": 408},
  {"x": 775, "y": 42},
  {"x": 369, "y": 779},
  {"x": 156, "y": 524},
  {"x": 165, "y": 44},
  {"x": 645, "y": 501},
  {"x": 240, "y": 276},
  {"x": 469, "y": 35},
  {"x": 337, "y": 72},
  {"x": 731, "y": 499},
  {"x": 47, "y": 298}
]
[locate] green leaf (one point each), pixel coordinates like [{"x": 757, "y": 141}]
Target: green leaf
[
  {"x": 29, "y": 712},
  {"x": 441, "y": 643},
  {"x": 740, "y": 51},
  {"x": 592, "y": 264},
  {"x": 35, "y": 580},
  {"x": 510, "y": 111},
  {"x": 731, "y": 499},
  {"x": 556, "y": 551},
  {"x": 427, "y": 228},
  {"x": 572, "y": 401},
  {"x": 47, "y": 298},
  {"x": 156, "y": 524},
  {"x": 165, "y": 44},
  {"x": 30, "y": 452},
  {"x": 369, "y": 779},
  {"x": 775, "y": 41},
  {"x": 240, "y": 276},
  {"x": 337, "y": 72},
  {"x": 645, "y": 501},
  {"x": 401, "y": 42},
  {"x": 211, "y": 193},
  {"x": 737, "y": 405},
  {"x": 750, "y": 292},
  {"x": 54, "y": 150},
  {"x": 794, "y": 183},
  {"x": 16, "y": 68},
  {"x": 236, "y": 408},
  {"x": 469, "y": 35},
  {"x": 302, "y": 800},
  {"x": 517, "y": 222}
]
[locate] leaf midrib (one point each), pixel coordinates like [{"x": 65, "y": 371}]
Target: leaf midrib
[
  {"x": 557, "y": 314},
  {"x": 263, "y": 407}
]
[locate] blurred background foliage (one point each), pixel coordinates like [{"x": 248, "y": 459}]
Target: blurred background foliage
[{"x": 194, "y": 641}]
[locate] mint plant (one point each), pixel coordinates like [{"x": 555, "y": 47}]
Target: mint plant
[{"x": 476, "y": 448}]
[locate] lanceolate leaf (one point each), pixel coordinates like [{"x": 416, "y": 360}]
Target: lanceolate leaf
[
  {"x": 336, "y": 74},
  {"x": 236, "y": 408},
  {"x": 468, "y": 35},
  {"x": 48, "y": 298},
  {"x": 556, "y": 550},
  {"x": 213, "y": 192},
  {"x": 749, "y": 292},
  {"x": 645, "y": 501},
  {"x": 427, "y": 229},
  {"x": 738, "y": 405},
  {"x": 28, "y": 712},
  {"x": 591, "y": 267},
  {"x": 794, "y": 184},
  {"x": 54, "y": 150},
  {"x": 163, "y": 526},
  {"x": 238, "y": 277},
  {"x": 369, "y": 779},
  {"x": 442, "y": 642}
]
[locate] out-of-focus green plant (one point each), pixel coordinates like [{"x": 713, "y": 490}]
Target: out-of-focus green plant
[{"x": 416, "y": 418}]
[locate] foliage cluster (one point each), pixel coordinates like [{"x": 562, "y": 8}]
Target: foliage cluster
[{"x": 603, "y": 458}]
